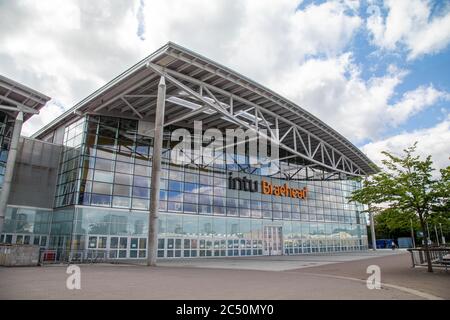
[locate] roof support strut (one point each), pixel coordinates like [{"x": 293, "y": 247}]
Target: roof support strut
[{"x": 258, "y": 121}]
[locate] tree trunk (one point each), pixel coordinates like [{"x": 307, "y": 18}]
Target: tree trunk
[{"x": 425, "y": 237}]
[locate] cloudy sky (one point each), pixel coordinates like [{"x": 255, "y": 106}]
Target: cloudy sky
[{"x": 378, "y": 72}]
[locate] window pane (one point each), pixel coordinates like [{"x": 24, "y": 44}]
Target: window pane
[
  {"x": 103, "y": 164},
  {"x": 121, "y": 178},
  {"x": 100, "y": 200},
  {"x": 124, "y": 167},
  {"x": 141, "y": 182},
  {"x": 103, "y": 176},
  {"x": 114, "y": 243},
  {"x": 140, "y": 204},
  {"x": 121, "y": 190},
  {"x": 92, "y": 242},
  {"x": 175, "y": 185},
  {"x": 103, "y": 188},
  {"x": 142, "y": 170},
  {"x": 141, "y": 192},
  {"x": 121, "y": 202}
]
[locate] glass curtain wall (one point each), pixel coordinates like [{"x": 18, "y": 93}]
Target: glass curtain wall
[
  {"x": 6, "y": 128},
  {"x": 106, "y": 164}
]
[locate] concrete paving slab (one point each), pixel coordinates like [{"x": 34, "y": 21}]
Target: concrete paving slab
[
  {"x": 276, "y": 263},
  {"x": 327, "y": 276}
]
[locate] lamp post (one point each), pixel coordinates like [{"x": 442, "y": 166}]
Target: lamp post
[
  {"x": 372, "y": 231},
  {"x": 412, "y": 235},
  {"x": 437, "y": 237},
  {"x": 442, "y": 235}
]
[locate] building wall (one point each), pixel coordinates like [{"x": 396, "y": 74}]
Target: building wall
[
  {"x": 29, "y": 213},
  {"x": 6, "y": 128},
  {"x": 103, "y": 193},
  {"x": 103, "y": 199},
  {"x": 187, "y": 235},
  {"x": 35, "y": 173},
  {"x": 27, "y": 225}
]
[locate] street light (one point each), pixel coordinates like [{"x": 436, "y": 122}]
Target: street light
[
  {"x": 437, "y": 237},
  {"x": 412, "y": 234},
  {"x": 372, "y": 231},
  {"x": 442, "y": 235}
]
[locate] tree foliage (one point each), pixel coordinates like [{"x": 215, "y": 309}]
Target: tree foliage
[
  {"x": 393, "y": 223},
  {"x": 407, "y": 188}
]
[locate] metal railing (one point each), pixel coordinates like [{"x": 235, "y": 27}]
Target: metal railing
[{"x": 419, "y": 256}]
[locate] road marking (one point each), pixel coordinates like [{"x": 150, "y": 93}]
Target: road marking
[{"x": 415, "y": 292}]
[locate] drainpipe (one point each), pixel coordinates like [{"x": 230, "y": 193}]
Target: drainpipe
[{"x": 9, "y": 171}]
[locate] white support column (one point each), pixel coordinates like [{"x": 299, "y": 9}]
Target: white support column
[
  {"x": 9, "y": 171},
  {"x": 152, "y": 249}
]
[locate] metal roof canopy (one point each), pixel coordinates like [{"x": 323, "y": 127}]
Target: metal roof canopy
[
  {"x": 15, "y": 97},
  {"x": 221, "y": 98}
]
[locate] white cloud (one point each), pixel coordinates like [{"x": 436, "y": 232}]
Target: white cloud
[
  {"x": 52, "y": 110},
  {"x": 432, "y": 141},
  {"x": 259, "y": 38},
  {"x": 69, "y": 49},
  {"x": 333, "y": 90},
  {"x": 409, "y": 23},
  {"x": 66, "y": 49},
  {"x": 413, "y": 102}
]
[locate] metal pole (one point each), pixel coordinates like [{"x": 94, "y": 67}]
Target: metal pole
[
  {"x": 9, "y": 171},
  {"x": 156, "y": 172},
  {"x": 428, "y": 232},
  {"x": 372, "y": 231},
  {"x": 442, "y": 235},
  {"x": 412, "y": 235},
  {"x": 437, "y": 237}
]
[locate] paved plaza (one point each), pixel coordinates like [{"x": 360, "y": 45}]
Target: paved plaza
[{"x": 320, "y": 276}]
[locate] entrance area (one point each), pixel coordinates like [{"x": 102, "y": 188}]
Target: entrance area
[
  {"x": 17, "y": 238},
  {"x": 116, "y": 247},
  {"x": 273, "y": 241}
]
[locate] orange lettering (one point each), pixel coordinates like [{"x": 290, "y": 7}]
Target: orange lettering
[
  {"x": 277, "y": 190},
  {"x": 266, "y": 187}
]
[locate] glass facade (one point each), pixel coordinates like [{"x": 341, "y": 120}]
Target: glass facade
[
  {"x": 6, "y": 129},
  {"x": 103, "y": 195},
  {"x": 69, "y": 171},
  {"x": 27, "y": 226}
]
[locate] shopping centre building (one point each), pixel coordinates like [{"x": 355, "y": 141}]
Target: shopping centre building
[{"x": 81, "y": 184}]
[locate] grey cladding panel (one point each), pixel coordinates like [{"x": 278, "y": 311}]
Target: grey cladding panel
[{"x": 35, "y": 174}]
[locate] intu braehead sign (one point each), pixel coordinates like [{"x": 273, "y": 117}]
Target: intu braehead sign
[{"x": 244, "y": 184}]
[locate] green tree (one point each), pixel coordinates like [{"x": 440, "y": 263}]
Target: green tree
[
  {"x": 407, "y": 185},
  {"x": 394, "y": 223}
]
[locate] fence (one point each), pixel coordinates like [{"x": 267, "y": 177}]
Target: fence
[{"x": 437, "y": 254}]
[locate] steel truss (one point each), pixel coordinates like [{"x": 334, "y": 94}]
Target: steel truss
[
  {"x": 303, "y": 143},
  {"x": 213, "y": 105}
]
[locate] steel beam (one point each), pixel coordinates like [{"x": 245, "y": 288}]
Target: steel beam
[
  {"x": 132, "y": 108},
  {"x": 270, "y": 96},
  {"x": 230, "y": 117},
  {"x": 244, "y": 101},
  {"x": 9, "y": 170}
]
